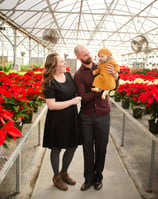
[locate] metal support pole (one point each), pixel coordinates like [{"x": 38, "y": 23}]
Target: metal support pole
[
  {"x": 152, "y": 161},
  {"x": 18, "y": 173},
  {"x": 30, "y": 51},
  {"x": 39, "y": 132},
  {"x": 123, "y": 130},
  {"x": 15, "y": 48}
]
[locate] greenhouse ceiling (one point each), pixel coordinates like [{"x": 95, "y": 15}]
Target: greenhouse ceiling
[{"x": 62, "y": 24}]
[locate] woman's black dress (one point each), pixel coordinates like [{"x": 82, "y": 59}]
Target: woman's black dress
[{"x": 62, "y": 126}]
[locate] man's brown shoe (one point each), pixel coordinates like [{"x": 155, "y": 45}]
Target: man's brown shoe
[
  {"x": 66, "y": 178},
  {"x": 59, "y": 183}
]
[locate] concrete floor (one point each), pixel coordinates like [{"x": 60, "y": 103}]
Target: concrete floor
[{"x": 116, "y": 182}]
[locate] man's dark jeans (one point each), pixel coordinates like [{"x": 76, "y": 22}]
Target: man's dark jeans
[{"x": 95, "y": 133}]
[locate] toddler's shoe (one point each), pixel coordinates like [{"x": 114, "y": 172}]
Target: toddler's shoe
[
  {"x": 104, "y": 95},
  {"x": 97, "y": 90}
]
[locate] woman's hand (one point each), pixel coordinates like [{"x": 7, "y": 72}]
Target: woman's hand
[
  {"x": 76, "y": 100},
  {"x": 110, "y": 69}
]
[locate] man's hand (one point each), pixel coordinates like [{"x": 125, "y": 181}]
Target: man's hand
[{"x": 110, "y": 69}]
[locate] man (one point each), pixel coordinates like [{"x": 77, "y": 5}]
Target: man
[{"x": 95, "y": 119}]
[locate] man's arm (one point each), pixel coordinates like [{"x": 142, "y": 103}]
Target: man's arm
[
  {"x": 87, "y": 96},
  {"x": 111, "y": 70}
]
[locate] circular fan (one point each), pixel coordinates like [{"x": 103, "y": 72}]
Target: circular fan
[
  {"x": 139, "y": 43},
  {"x": 50, "y": 35}
]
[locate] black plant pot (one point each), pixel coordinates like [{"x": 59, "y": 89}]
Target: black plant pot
[
  {"x": 148, "y": 110},
  {"x": 35, "y": 110},
  {"x": 28, "y": 119},
  {"x": 18, "y": 125},
  {"x": 125, "y": 103},
  {"x": 138, "y": 112},
  {"x": 117, "y": 98},
  {"x": 153, "y": 126}
]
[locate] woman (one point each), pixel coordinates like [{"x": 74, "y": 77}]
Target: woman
[{"x": 61, "y": 126}]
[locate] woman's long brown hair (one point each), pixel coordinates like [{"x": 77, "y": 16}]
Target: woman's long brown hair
[{"x": 50, "y": 65}]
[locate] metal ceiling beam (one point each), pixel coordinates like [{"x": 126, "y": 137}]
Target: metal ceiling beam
[
  {"x": 85, "y": 30},
  {"x": 12, "y": 12},
  {"x": 100, "y": 22},
  {"x": 79, "y": 20},
  {"x": 83, "y": 13},
  {"x": 16, "y": 26}
]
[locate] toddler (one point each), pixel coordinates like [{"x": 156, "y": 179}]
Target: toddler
[{"x": 104, "y": 81}]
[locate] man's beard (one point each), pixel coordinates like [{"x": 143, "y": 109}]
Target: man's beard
[{"x": 87, "y": 62}]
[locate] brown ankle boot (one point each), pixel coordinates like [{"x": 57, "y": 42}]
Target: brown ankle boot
[
  {"x": 66, "y": 178},
  {"x": 59, "y": 183}
]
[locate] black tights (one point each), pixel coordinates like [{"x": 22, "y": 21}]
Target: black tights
[{"x": 66, "y": 160}]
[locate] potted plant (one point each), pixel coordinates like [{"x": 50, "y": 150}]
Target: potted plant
[
  {"x": 125, "y": 102},
  {"x": 134, "y": 91},
  {"x": 117, "y": 96},
  {"x": 150, "y": 99},
  {"x": 137, "y": 108},
  {"x": 125, "y": 98},
  {"x": 153, "y": 122}
]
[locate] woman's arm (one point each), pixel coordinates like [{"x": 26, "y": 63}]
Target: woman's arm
[{"x": 53, "y": 105}]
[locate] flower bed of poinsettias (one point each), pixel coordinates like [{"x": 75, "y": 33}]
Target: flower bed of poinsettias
[
  {"x": 20, "y": 93},
  {"x": 140, "y": 86}
]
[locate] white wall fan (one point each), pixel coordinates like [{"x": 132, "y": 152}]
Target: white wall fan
[
  {"x": 140, "y": 44},
  {"x": 50, "y": 35}
]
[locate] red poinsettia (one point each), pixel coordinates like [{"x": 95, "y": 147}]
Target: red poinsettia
[
  {"x": 150, "y": 99},
  {"x": 7, "y": 126},
  {"x": 10, "y": 129},
  {"x": 4, "y": 114},
  {"x": 131, "y": 74},
  {"x": 150, "y": 94}
]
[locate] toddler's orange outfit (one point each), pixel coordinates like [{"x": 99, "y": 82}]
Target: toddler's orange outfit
[{"x": 104, "y": 80}]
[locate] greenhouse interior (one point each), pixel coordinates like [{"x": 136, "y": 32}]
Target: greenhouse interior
[{"x": 29, "y": 32}]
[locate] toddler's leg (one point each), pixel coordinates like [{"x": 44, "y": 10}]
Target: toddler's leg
[{"x": 105, "y": 94}]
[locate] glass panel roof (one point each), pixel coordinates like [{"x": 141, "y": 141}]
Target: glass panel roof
[{"x": 94, "y": 23}]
